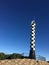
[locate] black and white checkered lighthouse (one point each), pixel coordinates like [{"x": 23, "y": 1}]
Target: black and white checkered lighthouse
[{"x": 32, "y": 41}]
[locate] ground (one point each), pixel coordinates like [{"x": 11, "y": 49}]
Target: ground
[{"x": 23, "y": 62}]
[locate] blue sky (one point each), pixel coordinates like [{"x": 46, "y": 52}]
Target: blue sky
[{"x": 15, "y": 19}]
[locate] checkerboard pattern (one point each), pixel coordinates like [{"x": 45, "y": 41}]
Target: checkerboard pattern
[
  {"x": 32, "y": 46},
  {"x": 32, "y": 41}
]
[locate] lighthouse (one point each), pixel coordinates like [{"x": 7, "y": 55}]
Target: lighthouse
[{"x": 32, "y": 41}]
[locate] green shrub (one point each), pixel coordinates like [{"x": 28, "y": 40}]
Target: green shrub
[
  {"x": 10, "y": 56},
  {"x": 2, "y": 56},
  {"x": 14, "y": 56}
]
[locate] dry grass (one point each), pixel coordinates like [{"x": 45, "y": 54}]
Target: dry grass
[{"x": 22, "y": 62}]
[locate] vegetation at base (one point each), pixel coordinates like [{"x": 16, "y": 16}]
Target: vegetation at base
[
  {"x": 2, "y": 56},
  {"x": 10, "y": 56},
  {"x": 48, "y": 61}
]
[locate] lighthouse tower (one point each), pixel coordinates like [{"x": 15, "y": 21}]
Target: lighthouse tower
[{"x": 32, "y": 41}]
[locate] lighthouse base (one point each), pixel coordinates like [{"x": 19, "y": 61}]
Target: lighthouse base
[{"x": 32, "y": 54}]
